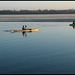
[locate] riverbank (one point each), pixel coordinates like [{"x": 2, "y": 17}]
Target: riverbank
[{"x": 41, "y": 16}]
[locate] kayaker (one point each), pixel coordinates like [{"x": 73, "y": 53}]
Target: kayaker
[
  {"x": 73, "y": 22},
  {"x": 23, "y": 27}
]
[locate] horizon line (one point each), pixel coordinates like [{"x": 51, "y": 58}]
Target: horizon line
[{"x": 39, "y": 9}]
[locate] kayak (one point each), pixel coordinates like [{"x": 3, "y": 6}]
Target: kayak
[
  {"x": 26, "y": 30},
  {"x": 72, "y": 24}
]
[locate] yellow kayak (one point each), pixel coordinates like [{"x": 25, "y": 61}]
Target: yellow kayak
[{"x": 26, "y": 30}]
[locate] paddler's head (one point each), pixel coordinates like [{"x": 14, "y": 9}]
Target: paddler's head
[{"x": 23, "y": 25}]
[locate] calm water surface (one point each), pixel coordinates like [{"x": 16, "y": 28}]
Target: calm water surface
[{"x": 50, "y": 51}]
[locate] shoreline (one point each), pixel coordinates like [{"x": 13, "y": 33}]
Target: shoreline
[{"x": 42, "y": 16}]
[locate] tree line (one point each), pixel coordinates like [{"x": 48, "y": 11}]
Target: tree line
[{"x": 69, "y": 11}]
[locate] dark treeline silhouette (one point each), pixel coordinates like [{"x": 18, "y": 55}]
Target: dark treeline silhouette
[{"x": 45, "y": 11}]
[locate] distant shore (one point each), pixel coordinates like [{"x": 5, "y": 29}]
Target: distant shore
[
  {"x": 37, "y": 18},
  {"x": 42, "y": 16}
]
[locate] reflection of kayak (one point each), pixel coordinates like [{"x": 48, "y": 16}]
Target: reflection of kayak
[
  {"x": 26, "y": 30},
  {"x": 72, "y": 24}
]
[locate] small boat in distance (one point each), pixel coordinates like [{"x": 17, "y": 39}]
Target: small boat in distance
[
  {"x": 26, "y": 30},
  {"x": 73, "y": 24}
]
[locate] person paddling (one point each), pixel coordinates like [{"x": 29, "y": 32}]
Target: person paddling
[
  {"x": 23, "y": 27},
  {"x": 73, "y": 22}
]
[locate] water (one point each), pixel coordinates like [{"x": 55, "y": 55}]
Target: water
[
  {"x": 37, "y": 20},
  {"x": 50, "y": 51}
]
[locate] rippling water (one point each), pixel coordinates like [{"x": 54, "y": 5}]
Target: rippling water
[{"x": 50, "y": 51}]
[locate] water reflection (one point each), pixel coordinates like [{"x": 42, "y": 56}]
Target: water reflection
[
  {"x": 25, "y": 33},
  {"x": 73, "y": 27},
  {"x": 7, "y": 30}
]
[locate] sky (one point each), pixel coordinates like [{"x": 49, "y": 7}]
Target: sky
[{"x": 35, "y": 5}]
